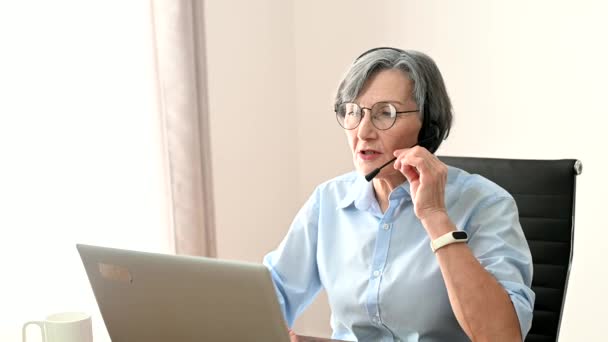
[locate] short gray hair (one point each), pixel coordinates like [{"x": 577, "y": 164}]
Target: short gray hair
[{"x": 429, "y": 90}]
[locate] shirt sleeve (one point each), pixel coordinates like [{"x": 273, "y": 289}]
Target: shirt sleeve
[
  {"x": 293, "y": 265},
  {"x": 498, "y": 242}
]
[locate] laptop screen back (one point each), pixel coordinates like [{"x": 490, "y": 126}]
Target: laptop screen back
[{"x": 157, "y": 297}]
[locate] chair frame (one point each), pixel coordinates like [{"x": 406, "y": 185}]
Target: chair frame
[{"x": 578, "y": 168}]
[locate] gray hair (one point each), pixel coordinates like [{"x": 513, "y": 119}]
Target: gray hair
[{"x": 429, "y": 90}]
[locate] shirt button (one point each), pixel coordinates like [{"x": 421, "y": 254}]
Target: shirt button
[
  {"x": 376, "y": 273},
  {"x": 386, "y": 226}
]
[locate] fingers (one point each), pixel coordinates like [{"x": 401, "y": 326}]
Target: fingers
[
  {"x": 417, "y": 157},
  {"x": 407, "y": 170},
  {"x": 427, "y": 177},
  {"x": 292, "y": 336},
  {"x": 418, "y": 162}
]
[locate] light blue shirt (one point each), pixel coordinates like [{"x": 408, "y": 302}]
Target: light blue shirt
[{"x": 380, "y": 274}]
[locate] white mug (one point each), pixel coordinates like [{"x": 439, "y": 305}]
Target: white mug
[{"x": 64, "y": 327}]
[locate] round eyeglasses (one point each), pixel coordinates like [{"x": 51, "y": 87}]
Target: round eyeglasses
[{"x": 383, "y": 115}]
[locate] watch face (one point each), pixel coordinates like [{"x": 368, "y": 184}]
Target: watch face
[{"x": 459, "y": 235}]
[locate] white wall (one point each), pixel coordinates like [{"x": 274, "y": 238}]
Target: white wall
[
  {"x": 250, "y": 52},
  {"x": 80, "y": 153},
  {"x": 526, "y": 79}
]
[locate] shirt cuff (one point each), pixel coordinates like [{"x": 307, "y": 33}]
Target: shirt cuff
[{"x": 522, "y": 298}]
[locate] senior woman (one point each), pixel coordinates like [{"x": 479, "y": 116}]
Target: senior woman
[{"x": 424, "y": 251}]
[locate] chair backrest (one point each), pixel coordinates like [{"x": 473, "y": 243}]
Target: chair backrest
[{"x": 545, "y": 194}]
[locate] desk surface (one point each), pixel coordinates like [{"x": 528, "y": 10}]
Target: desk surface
[{"x": 315, "y": 339}]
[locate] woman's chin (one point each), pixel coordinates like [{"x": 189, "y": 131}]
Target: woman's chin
[
  {"x": 364, "y": 170},
  {"x": 390, "y": 173}
]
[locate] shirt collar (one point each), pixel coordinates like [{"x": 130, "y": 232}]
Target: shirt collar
[{"x": 358, "y": 190}]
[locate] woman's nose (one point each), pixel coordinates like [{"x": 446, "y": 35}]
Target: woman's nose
[{"x": 366, "y": 129}]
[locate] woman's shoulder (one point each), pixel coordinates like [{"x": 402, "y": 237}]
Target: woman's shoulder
[{"x": 462, "y": 183}]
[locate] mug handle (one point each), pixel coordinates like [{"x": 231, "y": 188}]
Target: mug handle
[{"x": 39, "y": 324}]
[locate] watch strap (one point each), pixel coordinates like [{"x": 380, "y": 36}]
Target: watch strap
[{"x": 456, "y": 236}]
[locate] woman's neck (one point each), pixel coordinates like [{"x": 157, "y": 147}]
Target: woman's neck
[{"x": 383, "y": 186}]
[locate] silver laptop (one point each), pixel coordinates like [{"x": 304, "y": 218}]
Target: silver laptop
[{"x": 147, "y": 297}]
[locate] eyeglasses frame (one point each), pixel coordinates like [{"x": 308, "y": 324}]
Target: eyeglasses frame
[{"x": 370, "y": 110}]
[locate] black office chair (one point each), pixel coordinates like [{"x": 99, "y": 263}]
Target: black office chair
[{"x": 545, "y": 192}]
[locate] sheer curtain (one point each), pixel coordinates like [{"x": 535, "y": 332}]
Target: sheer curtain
[{"x": 182, "y": 95}]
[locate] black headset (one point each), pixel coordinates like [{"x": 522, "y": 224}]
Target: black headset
[{"x": 429, "y": 135}]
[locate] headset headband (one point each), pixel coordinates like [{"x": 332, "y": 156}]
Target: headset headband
[{"x": 376, "y": 49}]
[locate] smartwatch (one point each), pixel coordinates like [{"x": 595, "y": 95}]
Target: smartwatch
[{"x": 448, "y": 239}]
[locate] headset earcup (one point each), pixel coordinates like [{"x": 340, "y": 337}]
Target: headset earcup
[{"x": 428, "y": 131}]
